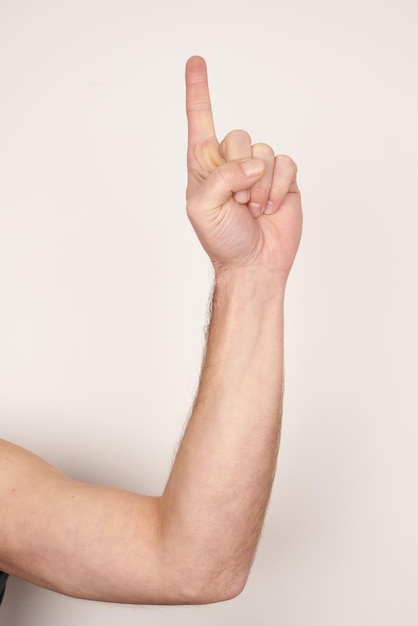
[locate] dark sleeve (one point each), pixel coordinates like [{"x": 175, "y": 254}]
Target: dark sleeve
[{"x": 3, "y": 579}]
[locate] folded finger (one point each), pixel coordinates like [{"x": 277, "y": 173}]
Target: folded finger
[
  {"x": 235, "y": 147},
  {"x": 284, "y": 182},
  {"x": 260, "y": 192}
]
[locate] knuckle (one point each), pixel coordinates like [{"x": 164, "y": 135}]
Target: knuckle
[
  {"x": 238, "y": 135},
  {"x": 286, "y": 161},
  {"x": 263, "y": 150}
]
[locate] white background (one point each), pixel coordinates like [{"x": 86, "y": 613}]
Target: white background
[{"x": 104, "y": 286}]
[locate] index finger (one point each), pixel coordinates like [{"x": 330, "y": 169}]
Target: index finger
[{"x": 198, "y": 107}]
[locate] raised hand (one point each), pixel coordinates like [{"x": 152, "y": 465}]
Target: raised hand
[{"x": 243, "y": 202}]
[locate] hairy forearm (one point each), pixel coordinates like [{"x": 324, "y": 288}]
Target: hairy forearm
[
  {"x": 196, "y": 543},
  {"x": 215, "y": 500}
]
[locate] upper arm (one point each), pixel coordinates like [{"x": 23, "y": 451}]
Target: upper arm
[{"x": 81, "y": 540}]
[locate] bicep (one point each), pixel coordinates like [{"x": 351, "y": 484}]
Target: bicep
[{"x": 78, "y": 539}]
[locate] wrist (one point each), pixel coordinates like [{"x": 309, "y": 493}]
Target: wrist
[{"x": 251, "y": 283}]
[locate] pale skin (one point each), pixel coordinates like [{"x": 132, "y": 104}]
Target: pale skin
[{"x": 196, "y": 542}]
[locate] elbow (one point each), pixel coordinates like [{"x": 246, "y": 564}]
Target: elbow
[
  {"x": 227, "y": 592},
  {"x": 218, "y": 588}
]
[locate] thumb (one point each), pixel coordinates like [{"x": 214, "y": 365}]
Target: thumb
[{"x": 223, "y": 182}]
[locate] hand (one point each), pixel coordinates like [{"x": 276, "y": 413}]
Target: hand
[{"x": 243, "y": 202}]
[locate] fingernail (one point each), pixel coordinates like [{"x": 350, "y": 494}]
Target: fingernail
[
  {"x": 255, "y": 208},
  {"x": 242, "y": 196},
  {"x": 269, "y": 208},
  {"x": 252, "y": 167}
]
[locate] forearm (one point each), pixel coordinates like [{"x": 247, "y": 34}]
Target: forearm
[{"x": 215, "y": 500}]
